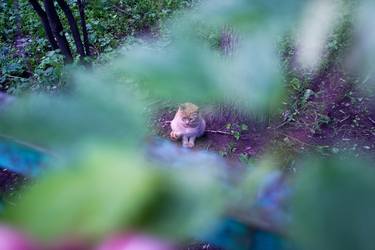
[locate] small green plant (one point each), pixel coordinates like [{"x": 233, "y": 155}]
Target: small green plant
[
  {"x": 236, "y": 130},
  {"x": 244, "y": 127}
]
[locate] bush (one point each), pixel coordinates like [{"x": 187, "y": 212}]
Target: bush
[{"x": 25, "y": 51}]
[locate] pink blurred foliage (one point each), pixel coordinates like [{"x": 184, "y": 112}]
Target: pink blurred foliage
[
  {"x": 135, "y": 242},
  {"x": 11, "y": 239}
]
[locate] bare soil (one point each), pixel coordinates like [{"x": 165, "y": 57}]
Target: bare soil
[{"x": 337, "y": 117}]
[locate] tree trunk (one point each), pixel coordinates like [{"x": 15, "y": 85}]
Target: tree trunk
[
  {"x": 81, "y": 7},
  {"x": 16, "y": 6},
  {"x": 73, "y": 27},
  {"x": 44, "y": 19},
  {"x": 57, "y": 30}
]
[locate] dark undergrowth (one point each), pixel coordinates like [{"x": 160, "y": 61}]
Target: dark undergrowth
[{"x": 27, "y": 61}]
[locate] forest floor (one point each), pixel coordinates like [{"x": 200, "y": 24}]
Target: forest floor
[{"x": 337, "y": 117}]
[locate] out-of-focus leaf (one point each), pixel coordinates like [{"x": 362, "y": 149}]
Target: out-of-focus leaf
[
  {"x": 107, "y": 190},
  {"x": 97, "y": 196},
  {"x": 11, "y": 239},
  {"x": 333, "y": 205},
  {"x": 361, "y": 58},
  {"x": 320, "y": 19},
  {"x": 91, "y": 112},
  {"x": 247, "y": 16},
  {"x": 189, "y": 70},
  {"x": 180, "y": 73},
  {"x": 134, "y": 242}
]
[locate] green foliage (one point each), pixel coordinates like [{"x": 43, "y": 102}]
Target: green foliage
[
  {"x": 109, "y": 190},
  {"x": 236, "y": 130},
  {"x": 134, "y": 15},
  {"x": 17, "y": 18},
  {"x": 50, "y": 69},
  {"x": 107, "y": 187},
  {"x": 182, "y": 70},
  {"x": 9, "y": 67},
  {"x": 108, "y": 23},
  {"x": 333, "y": 205},
  {"x": 91, "y": 112}
]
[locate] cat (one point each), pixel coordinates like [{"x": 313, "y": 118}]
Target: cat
[{"x": 187, "y": 124}]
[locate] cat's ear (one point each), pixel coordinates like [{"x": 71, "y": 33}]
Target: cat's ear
[
  {"x": 182, "y": 106},
  {"x": 196, "y": 109}
]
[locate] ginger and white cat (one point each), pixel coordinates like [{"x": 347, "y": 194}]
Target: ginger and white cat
[{"x": 187, "y": 124}]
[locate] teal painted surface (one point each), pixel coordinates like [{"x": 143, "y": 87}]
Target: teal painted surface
[
  {"x": 21, "y": 159},
  {"x": 231, "y": 234}
]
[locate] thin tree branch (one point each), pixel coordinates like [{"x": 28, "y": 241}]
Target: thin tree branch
[
  {"x": 371, "y": 120},
  {"x": 297, "y": 140},
  {"x": 217, "y": 132},
  {"x": 207, "y": 130},
  {"x": 119, "y": 9},
  {"x": 17, "y": 77}
]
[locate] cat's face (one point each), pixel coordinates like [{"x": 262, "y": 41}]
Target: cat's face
[{"x": 189, "y": 114}]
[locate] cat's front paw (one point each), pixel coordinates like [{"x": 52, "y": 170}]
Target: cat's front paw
[
  {"x": 188, "y": 145},
  {"x": 174, "y": 136}
]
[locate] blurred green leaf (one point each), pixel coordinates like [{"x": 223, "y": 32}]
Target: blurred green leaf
[
  {"x": 189, "y": 70},
  {"x": 105, "y": 190},
  {"x": 333, "y": 205},
  {"x": 91, "y": 112}
]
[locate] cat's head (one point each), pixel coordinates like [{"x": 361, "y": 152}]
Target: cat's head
[{"x": 189, "y": 114}]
